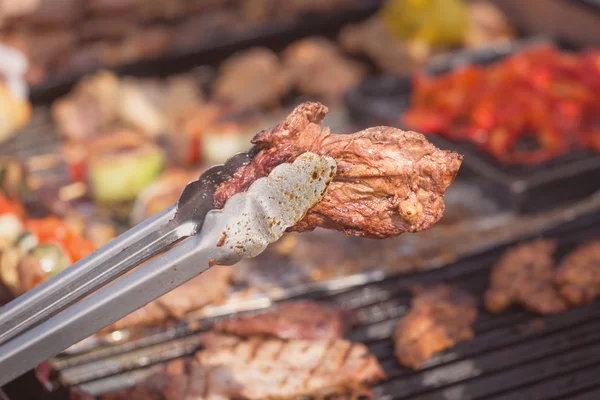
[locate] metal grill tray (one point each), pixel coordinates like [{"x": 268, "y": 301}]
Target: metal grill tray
[
  {"x": 514, "y": 355},
  {"x": 526, "y": 189}
]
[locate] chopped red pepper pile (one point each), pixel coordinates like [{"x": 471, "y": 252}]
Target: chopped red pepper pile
[
  {"x": 541, "y": 93},
  {"x": 53, "y": 230}
]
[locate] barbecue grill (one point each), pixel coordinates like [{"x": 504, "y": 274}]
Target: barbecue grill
[{"x": 514, "y": 355}]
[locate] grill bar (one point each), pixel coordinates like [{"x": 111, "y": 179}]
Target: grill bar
[{"x": 514, "y": 355}]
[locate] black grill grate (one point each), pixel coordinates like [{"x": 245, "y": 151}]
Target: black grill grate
[{"x": 514, "y": 355}]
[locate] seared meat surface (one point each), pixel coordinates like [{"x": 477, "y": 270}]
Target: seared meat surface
[
  {"x": 104, "y": 101},
  {"x": 260, "y": 363},
  {"x": 524, "y": 275},
  {"x": 259, "y": 368},
  {"x": 578, "y": 275},
  {"x": 388, "y": 181},
  {"x": 439, "y": 318},
  {"x": 318, "y": 68},
  {"x": 206, "y": 288},
  {"x": 371, "y": 39},
  {"x": 305, "y": 320},
  {"x": 251, "y": 80}
]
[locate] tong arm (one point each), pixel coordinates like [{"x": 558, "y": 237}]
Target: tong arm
[
  {"x": 129, "y": 250},
  {"x": 243, "y": 228}
]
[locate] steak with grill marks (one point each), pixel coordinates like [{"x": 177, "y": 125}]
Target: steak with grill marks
[
  {"x": 304, "y": 320},
  {"x": 262, "y": 368},
  {"x": 207, "y": 288},
  {"x": 259, "y": 368},
  {"x": 578, "y": 275},
  {"x": 525, "y": 275},
  {"x": 388, "y": 181},
  {"x": 439, "y": 318}
]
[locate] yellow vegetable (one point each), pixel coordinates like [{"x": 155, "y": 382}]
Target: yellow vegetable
[{"x": 432, "y": 22}]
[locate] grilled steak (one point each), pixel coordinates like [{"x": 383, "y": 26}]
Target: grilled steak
[
  {"x": 578, "y": 275},
  {"x": 318, "y": 68},
  {"x": 304, "y": 320},
  {"x": 524, "y": 275},
  {"x": 251, "y": 80},
  {"x": 260, "y": 368},
  {"x": 204, "y": 289},
  {"x": 439, "y": 318},
  {"x": 388, "y": 181},
  {"x": 78, "y": 394}
]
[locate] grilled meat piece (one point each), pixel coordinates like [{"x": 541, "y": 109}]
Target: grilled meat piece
[
  {"x": 89, "y": 108},
  {"x": 251, "y": 80},
  {"x": 578, "y": 275},
  {"x": 373, "y": 40},
  {"x": 524, "y": 275},
  {"x": 260, "y": 368},
  {"x": 107, "y": 28},
  {"x": 298, "y": 8},
  {"x": 78, "y": 394},
  {"x": 318, "y": 68},
  {"x": 207, "y": 288},
  {"x": 439, "y": 318},
  {"x": 103, "y": 101},
  {"x": 487, "y": 24},
  {"x": 168, "y": 383},
  {"x": 304, "y": 320},
  {"x": 163, "y": 192},
  {"x": 45, "y": 49},
  {"x": 388, "y": 181}
]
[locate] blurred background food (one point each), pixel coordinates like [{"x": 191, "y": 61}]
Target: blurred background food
[{"x": 108, "y": 108}]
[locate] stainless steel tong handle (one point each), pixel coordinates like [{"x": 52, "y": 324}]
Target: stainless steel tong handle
[
  {"x": 243, "y": 228},
  {"x": 129, "y": 250}
]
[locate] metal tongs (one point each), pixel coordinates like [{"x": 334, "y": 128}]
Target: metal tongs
[{"x": 193, "y": 236}]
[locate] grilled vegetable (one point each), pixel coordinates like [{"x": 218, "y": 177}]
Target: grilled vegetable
[
  {"x": 39, "y": 264},
  {"x": 55, "y": 231},
  {"x": 432, "y": 22},
  {"x": 117, "y": 166}
]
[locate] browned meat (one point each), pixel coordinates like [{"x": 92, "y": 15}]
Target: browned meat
[
  {"x": 251, "y": 80},
  {"x": 107, "y": 28},
  {"x": 143, "y": 44},
  {"x": 578, "y": 275},
  {"x": 303, "y": 320},
  {"x": 487, "y": 24},
  {"x": 439, "y": 318},
  {"x": 201, "y": 28},
  {"x": 388, "y": 181},
  {"x": 318, "y": 68},
  {"x": 45, "y": 49},
  {"x": 169, "y": 383},
  {"x": 56, "y": 13},
  {"x": 207, "y": 288},
  {"x": 153, "y": 107},
  {"x": 524, "y": 275},
  {"x": 304, "y": 7},
  {"x": 78, "y": 394},
  {"x": 259, "y": 368},
  {"x": 371, "y": 39},
  {"x": 110, "y": 6},
  {"x": 89, "y": 108}
]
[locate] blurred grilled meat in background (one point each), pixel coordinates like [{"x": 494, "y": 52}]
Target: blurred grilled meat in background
[{"x": 132, "y": 99}]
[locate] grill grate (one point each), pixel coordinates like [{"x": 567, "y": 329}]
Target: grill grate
[{"x": 514, "y": 355}]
